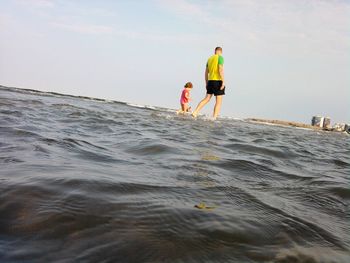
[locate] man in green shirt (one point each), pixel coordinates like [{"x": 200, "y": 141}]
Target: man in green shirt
[{"x": 215, "y": 82}]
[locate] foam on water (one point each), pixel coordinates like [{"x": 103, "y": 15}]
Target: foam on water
[{"x": 89, "y": 180}]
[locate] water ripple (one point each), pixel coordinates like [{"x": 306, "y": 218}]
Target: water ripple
[{"x": 90, "y": 180}]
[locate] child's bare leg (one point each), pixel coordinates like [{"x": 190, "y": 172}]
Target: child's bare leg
[
  {"x": 180, "y": 111},
  {"x": 202, "y": 104},
  {"x": 184, "y": 107}
]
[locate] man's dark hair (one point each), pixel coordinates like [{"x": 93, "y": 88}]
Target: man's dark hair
[{"x": 218, "y": 48}]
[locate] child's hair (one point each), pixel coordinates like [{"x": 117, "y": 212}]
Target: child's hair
[{"x": 189, "y": 85}]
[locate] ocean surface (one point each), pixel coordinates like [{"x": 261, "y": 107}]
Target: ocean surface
[{"x": 87, "y": 180}]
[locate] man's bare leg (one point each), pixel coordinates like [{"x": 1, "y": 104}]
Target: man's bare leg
[
  {"x": 217, "y": 106},
  {"x": 201, "y": 104}
]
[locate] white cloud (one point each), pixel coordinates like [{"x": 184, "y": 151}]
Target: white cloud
[
  {"x": 311, "y": 26},
  {"x": 36, "y": 3},
  {"x": 187, "y": 10},
  {"x": 5, "y": 19},
  {"x": 108, "y": 30},
  {"x": 97, "y": 11},
  {"x": 85, "y": 28},
  {"x": 183, "y": 7}
]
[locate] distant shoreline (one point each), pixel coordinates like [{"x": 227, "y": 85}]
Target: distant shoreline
[
  {"x": 285, "y": 123},
  {"x": 291, "y": 124},
  {"x": 256, "y": 120}
]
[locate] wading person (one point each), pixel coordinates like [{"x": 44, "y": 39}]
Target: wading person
[
  {"x": 215, "y": 82},
  {"x": 185, "y": 99}
]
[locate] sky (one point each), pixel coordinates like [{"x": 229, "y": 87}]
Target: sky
[{"x": 284, "y": 59}]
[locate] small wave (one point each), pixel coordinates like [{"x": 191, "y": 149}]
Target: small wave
[
  {"x": 66, "y": 105},
  {"x": 342, "y": 192},
  {"x": 261, "y": 150},
  {"x": 135, "y": 105},
  {"x": 84, "y": 149},
  {"x": 5, "y": 160},
  {"x": 230, "y": 118},
  {"x": 341, "y": 163},
  {"x": 151, "y": 149},
  {"x": 298, "y": 254},
  {"x": 18, "y": 133},
  {"x": 242, "y": 166},
  {"x": 12, "y": 113},
  {"x": 143, "y": 106}
]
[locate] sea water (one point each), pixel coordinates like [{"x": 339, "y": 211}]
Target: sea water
[{"x": 85, "y": 180}]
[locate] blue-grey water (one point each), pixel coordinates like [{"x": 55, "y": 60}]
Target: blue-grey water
[{"x": 84, "y": 180}]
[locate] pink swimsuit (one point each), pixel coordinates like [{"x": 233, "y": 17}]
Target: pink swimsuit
[{"x": 183, "y": 99}]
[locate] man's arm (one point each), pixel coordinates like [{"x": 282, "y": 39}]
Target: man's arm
[{"x": 222, "y": 75}]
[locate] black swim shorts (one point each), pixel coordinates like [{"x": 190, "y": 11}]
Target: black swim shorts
[{"x": 213, "y": 87}]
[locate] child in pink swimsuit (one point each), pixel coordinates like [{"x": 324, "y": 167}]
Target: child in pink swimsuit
[{"x": 185, "y": 98}]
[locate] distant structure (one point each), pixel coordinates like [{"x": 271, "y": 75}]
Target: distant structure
[
  {"x": 322, "y": 122},
  {"x": 341, "y": 127},
  {"x": 325, "y": 124}
]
